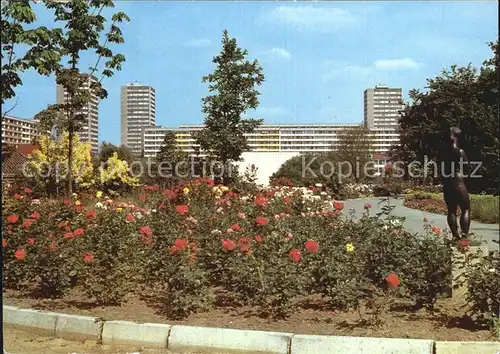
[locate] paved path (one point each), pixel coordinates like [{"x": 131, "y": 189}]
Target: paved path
[
  {"x": 414, "y": 218},
  {"x": 29, "y": 342}
]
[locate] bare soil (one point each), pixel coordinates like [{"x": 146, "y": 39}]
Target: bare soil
[
  {"x": 29, "y": 342},
  {"x": 396, "y": 320}
]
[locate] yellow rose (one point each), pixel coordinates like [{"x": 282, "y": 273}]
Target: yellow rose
[
  {"x": 186, "y": 190},
  {"x": 78, "y": 202},
  {"x": 349, "y": 247},
  {"x": 119, "y": 210},
  {"x": 98, "y": 194},
  {"x": 224, "y": 188}
]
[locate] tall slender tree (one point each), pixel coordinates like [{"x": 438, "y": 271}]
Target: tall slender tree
[
  {"x": 84, "y": 26},
  {"x": 232, "y": 85}
]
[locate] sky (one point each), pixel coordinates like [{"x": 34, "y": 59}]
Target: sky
[{"x": 317, "y": 57}]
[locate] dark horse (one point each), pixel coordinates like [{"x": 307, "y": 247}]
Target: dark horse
[{"x": 455, "y": 169}]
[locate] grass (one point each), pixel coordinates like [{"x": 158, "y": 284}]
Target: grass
[{"x": 484, "y": 208}]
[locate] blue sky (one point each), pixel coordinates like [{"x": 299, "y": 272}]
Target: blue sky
[{"x": 318, "y": 57}]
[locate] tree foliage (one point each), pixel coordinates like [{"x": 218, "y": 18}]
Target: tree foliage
[
  {"x": 355, "y": 149},
  {"x": 116, "y": 174},
  {"x": 17, "y": 15},
  {"x": 232, "y": 85},
  {"x": 48, "y": 165},
  {"x": 83, "y": 24},
  {"x": 461, "y": 96},
  {"x": 108, "y": 149}
]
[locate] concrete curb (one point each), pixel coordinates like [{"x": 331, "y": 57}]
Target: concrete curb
[
  {"x": 305, "y": 344},
  {"x": 467, "y": 347},
  {"x": 189, "y": 338},
  {"x": 213, "y": 339}
]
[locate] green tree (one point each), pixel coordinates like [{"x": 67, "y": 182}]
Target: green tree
[
  {"x": 108, "y": 149},
  {"x": 83, "y": 28},
  {"x": 170, "y": 155},
  {"x": 465, "y": 97},
  {"x": 233, "y": 86},
  {"x": 16, "y": 14},
  {"x": 354, "y": 150}
]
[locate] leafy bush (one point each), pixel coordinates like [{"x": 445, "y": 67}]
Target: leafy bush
[{"x": 483, "y": 289}]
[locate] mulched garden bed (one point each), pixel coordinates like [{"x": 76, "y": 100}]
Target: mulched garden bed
[{"x": 446, "y": 323}]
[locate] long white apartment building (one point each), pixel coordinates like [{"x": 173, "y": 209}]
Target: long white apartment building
[
  {"x": 299, "y": 138},
  {"x": 16, "y": 131}
]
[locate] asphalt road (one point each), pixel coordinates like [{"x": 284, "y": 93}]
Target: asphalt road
[{"x": 414, "y": 218}]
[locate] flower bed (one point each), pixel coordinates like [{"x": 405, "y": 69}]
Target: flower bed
[
  {"x": 484, "y": 208},
  {"x": 199, "y": 247}
]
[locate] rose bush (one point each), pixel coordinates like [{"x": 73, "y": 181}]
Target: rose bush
[{"x": 187, "y": 248}]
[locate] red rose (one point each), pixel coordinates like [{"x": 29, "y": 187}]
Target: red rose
[
  {"x": 228, "y": 245},
  {"x": 244, "y": 244},
  {"x": 338, "y": 205},
  {"x": 52, "y": 246},
  {"x": 463, "y": 244},
  {"x": 79, "y": 208},
  {"x": 17, "y": 196},
  {"x": 4, "y": 242},
  {"x": 130, "y": 218},
  {"x": 182, "y": 209},
  {"x": 436, "y": 230},
  {"x": 52, "y": 214},
  {"x": 311, "y": 246},
  {"x": 295, "y": 255},
  {"x": 20, "y": 254},
  {"x": 169, "y": 194},
  {"x": 146, "y": 231},
  {"x": 260, "y": 200},
  {"x": 286, "y": 200},
  {"x": 392, "y": 280},
  {"x": 35, "y": 215},
  {"x": 91, "y": 213},
  {"x": 368, "y": 206},
  {"x": 69, "y": 235},
  {"x": 236, "y": 227},
  {"x": 88, "y": 258},
  {"x": 142, "y": 198},
  {"x": 260, "y": 220},
  {"x": 27, "y": 190},
  {"x": 12, "y": 219},
  {"x": 66, "y": 202},
  {"x": 258, "y": 238},
  {"x": 78, "y": 232},
  {"x": 30, "y": 241},
  {"x": 27, "y": 223}
]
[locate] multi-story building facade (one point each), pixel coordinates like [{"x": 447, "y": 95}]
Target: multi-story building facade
[
  {"x": 18, "y": 131},
  {"x": 138, "y": 111},
  {"x": 273, "y": 138},
  {"x": 90, "y": 129},
  {"x": 382, "y": 106}
]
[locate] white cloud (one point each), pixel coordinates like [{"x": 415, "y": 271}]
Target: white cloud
[
  {"x": 278, "y": 53},
  {"x": 336, "y": 68},
  {"x": 198, "y": 42},
  {"x": 396, "y": 64},
  {"x": 312, "y": 17}
]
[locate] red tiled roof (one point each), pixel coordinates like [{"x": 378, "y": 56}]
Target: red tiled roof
[
  {"x": 14, "y": 163},
  {"x": 26, "y": 149}
]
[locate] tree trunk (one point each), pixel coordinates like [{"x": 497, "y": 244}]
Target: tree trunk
[{"x": 70, "y": 162}]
